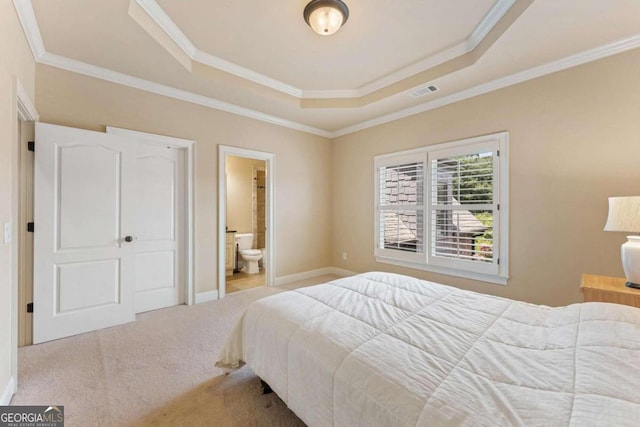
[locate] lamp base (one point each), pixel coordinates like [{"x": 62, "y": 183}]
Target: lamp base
[
  {"x": 630, "y": 252},
  {"x": 633, "y": 285}
]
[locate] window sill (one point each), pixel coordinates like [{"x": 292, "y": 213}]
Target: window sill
[{"x": 489, "y": 278}]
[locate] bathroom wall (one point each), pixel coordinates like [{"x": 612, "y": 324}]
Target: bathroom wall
[{"x": 240, "y": 193}]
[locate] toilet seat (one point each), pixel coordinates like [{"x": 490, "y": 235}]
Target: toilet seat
[{"x": 251, "y": 252}]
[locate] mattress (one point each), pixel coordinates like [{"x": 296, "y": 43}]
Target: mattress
[{"x": 380, "y": 349}]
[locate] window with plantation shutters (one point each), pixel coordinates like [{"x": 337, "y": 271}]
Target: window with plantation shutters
[{"x": 444, "y": 208}]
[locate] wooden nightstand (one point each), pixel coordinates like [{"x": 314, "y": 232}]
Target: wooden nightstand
[{"x": 608, "y": 289}]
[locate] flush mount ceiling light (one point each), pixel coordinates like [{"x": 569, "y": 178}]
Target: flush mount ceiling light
[{"x": 326, "y": 17}]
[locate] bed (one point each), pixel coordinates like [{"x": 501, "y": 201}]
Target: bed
[{"x": 380, "y": 349}]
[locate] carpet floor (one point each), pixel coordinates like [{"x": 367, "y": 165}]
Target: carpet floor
[{"x": 156, "y": 371}]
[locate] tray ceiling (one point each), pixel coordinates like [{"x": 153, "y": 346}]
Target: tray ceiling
[{"x": 261, "y": 61}]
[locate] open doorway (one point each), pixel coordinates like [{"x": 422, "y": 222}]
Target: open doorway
[
  {"x": 245, "y": 226},
  {"x": 24, "y": 236},
  {"x": 245, "y": 218}
]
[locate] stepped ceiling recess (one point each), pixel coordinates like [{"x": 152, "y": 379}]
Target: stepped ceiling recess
[{"x": 260, "y": 59}]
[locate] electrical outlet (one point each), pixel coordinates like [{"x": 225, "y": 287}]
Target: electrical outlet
[
  {"x": 344, "y": 256},
  {"x": 7, "y": 232}
]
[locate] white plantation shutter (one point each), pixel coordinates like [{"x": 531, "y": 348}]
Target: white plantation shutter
[
  {"x": 464, "y": 208},
  {"x": 444, "y": 208},
  {"x": 401, "y": 208}
]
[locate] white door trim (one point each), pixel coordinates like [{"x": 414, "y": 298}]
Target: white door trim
[
  {"x": 269, "y": 256},
  {"x": 26, "y": 112},
  {"x": 187, "y": 145}
]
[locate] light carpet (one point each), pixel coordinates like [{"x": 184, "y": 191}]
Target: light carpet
[{"x": 158, "y": 370}]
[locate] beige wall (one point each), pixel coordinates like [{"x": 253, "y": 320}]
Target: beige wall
[
  {"x": 575, "y": 140},
  {"x": 240, "y": 193},
  {"x": 16, "y": 62},
  {"x": 302, "y": 183}
]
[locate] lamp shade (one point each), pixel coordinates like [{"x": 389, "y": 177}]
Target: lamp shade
[{"x": 624, "y": 214}]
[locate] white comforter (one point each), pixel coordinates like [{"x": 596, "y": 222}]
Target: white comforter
[{"x": 381, "y": 349}]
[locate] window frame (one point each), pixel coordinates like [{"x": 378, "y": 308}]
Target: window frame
[{"x": 495, "y": 272}]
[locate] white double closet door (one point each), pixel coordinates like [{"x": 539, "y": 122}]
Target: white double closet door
[{"x": 109, "y": 230}]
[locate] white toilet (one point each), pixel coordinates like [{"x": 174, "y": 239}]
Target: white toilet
[{"x": 249, "y": 255}]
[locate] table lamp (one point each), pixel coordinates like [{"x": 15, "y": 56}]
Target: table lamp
[{"x": 624, "y": 215}]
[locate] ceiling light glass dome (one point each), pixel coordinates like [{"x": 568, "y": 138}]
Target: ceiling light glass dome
[{"x": 326, "y": 17}]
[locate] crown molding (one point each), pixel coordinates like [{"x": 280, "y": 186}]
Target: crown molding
[
  {"x": 34, "y": 38},
  {"x": 153, "y": 9},
  {"x": 27, "y": 18},
  {"x": 490, "y": 20},
  {"x": 329, "y": 94},
  {"x": 30, "y": 27},
  {"x": 79, "y": 67},
  {"x": 245, "y": 73},
  {"x": 164, "y": 22},
  {"x": 619, "y": 46},
  {"x": 408, "y": 71}
]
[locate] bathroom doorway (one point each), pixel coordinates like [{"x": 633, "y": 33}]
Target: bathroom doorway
[
  {"x": 245, "y": 214},
  {"x": 245, "y": 227}
]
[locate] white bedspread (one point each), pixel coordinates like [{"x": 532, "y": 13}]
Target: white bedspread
[{"x": 381, "y": 349}]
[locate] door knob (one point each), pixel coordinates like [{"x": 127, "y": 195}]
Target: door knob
[{"x": 128, "y": 239}]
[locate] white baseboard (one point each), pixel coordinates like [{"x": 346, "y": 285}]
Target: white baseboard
[
  {"x": 7, "y": 394},
  {"x": 342, "y": 272},
  {"x": 206, "y": 296},
  {"x": 283, "y": 280}
]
